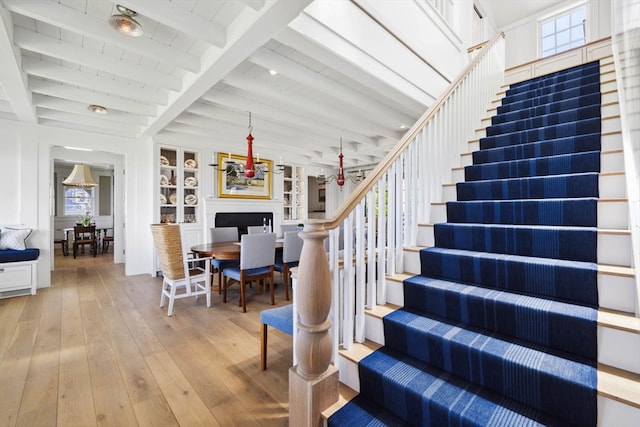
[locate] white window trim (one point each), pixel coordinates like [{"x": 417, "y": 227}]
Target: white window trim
[{"x": 559, "y": 12}]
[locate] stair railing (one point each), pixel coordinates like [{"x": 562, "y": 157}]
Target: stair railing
[{"x": 370, "y": 230}]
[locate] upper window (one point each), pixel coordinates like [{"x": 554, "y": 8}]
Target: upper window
[
  {"x": 563, "y": 32},
  {"x": 78, "y": 201}
]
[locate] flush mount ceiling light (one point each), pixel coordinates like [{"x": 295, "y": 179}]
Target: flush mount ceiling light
[
  {"x": 98, "y": 109},
  {"x": 124, "y": 22}
]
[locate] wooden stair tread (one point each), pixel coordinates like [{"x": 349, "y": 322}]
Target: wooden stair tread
[
  {"x": 618, "y": 384},
  {"x": 359, "y": 351},
  {"x": 616, "y": 270},
  {"x": 380, "y": 311},
  {"x": 345, "y": 394},
  {"x": 400, "y": 277},
  {"x": 619, "y": 320}
]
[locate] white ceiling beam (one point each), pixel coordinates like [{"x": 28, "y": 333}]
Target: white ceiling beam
[
  {"x": 182, "y": 19},
  {"x": 353, "y": 70},
  {"x": 13, "y": 79},
  {"x": 289, "y": 119},
  {"x": 80, "y": 108},
  {"x": 347, "y": 95},
  {"x": 52, "y": 71},
  {"x": 38, "y": 43},
  {"x": 95, "y": 122},
  {"x": 114, "y": 131},
  {"x": 88, "y": 97},
  {"x": 257, "y": 29},
  {"x": 254, "y": 4},
  {"x": 321, "y": 110},
  {"x": 97, "y": 29},
  {"x": 313, "y": 111}
]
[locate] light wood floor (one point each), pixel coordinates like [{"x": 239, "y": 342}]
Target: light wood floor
[{"x": 96, "y": 349}]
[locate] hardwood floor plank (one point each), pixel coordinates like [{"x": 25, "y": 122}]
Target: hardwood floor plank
[
  {"x": 111, "y": 400},
  {"x": 14, "y": 366},
  {"x": 75, "y": 403},
  {"x": 39, "y": 403},
  {"x": 9, "y": 317},
  {"x": 182, "y": 397}
]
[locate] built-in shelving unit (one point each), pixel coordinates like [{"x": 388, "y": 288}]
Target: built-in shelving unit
[
  {"x": 179, "y": 180},
  {"x": 293, "y": 194}
]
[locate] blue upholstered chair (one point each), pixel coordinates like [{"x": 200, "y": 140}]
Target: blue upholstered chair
[
  {"x": 291, "y": 249},
  {"x": 280, "y": 318},
  {"x": 223, "y": 234},
  {"x": 257, "y": 256}
]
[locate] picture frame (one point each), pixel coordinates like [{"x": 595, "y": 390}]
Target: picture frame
[{"x": 234, "y": 185}]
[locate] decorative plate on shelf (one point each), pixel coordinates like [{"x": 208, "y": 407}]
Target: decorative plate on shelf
[
  {"x": 164, "y": 180},
  {"x": 164, "y": 161},
  {"x": 190, "y": 181},
  {"x": 191, "y": 199},
  {"x": 173, "y": 198},
  {"x": 163, "y": 199},
  {"x": 190, "y": 163}
]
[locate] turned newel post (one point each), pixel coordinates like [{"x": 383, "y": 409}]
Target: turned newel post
[{"x": 313, "y": 382}]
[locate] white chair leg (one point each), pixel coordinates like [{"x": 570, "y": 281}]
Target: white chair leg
[
  {"x": 163, "y": 293},
  {"x": 172, "y": 299}
]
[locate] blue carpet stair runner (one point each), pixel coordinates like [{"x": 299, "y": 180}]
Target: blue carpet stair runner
[{"x": 499, "y": 329}]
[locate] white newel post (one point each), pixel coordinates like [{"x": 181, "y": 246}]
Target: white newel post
[{"x": 313, "y": 382}]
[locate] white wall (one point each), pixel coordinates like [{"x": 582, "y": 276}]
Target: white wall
[{"x": 521, "y": 41}]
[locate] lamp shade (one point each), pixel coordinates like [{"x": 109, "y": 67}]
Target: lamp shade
[{"x": 80, "y": 177}]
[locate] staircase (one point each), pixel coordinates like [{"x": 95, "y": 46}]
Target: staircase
[{"x": 520, "y": 313}]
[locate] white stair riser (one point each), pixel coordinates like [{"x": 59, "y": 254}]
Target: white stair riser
[
  {"x": 612, "y": 413},
  {"x": 609, "y": 96},
  {"x": 411, "y": 262},
  {"x": 612, "y": 186},
  {"x": 613, "y": 215},
  {"x": 612, "y": 162},
  {"x": 614, "y": 249},
  {"x": 620, "y": 349},
  {"x": 611, "y": 141},
  {"x": 616, "y": 292},
  {"x": 348, "y": 373},
  {"x": 611, "y": 124},
  {"x": 395, "y": 292},
  {"x": 374, "y": 329}
]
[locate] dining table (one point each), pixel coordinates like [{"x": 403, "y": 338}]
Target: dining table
[{"x": 226, "y": 251}]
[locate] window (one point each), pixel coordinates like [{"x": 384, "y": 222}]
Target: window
[
  {"x": 78, "y": 201},
  {"x": 563, "y": 32}
]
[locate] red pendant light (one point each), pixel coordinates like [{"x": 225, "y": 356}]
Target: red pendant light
[{"x": 249, "y": 171}]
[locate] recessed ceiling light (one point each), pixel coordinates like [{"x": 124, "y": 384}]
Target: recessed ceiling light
[
  {"x": 124, "y": 22},
  {"x": 273, "y": 72},
  {"x": 98, "y": 109},
  {"x": 403, "y": 126}
]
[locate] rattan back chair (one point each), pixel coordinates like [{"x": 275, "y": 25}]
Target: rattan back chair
[{"x": 189, "y": 276}]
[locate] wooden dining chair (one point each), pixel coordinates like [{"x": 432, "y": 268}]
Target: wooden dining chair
[
  {"x": 84, "y": 236},
  {"x": 257, "y": 256},
  {"x": 108, "y": 238},
  {"x": 218, "y": 235},
  {"x": 289, "y": 258},
  {"x": 190, "y": 276}
]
